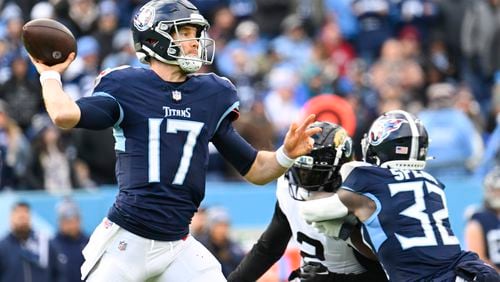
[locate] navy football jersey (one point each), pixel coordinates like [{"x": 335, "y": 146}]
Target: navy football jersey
[
  {"x": 409, "y": 231},
  {"x": 162, "y": 141},
  {"x": 491, "y": 230}
]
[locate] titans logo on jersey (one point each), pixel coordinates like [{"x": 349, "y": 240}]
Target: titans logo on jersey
[
  {"x": 410, "y": 230},
  {"x": 162, "y": 140}
]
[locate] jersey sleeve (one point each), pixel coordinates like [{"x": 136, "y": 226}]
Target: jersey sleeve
[
  {"x": 230, "y": 101},
  {"x": 352, "y": 176},
  {"x": 268, "y": 250},
  {"x": 236, "y": 150}
]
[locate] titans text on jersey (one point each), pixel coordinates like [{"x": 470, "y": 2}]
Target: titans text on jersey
[{"x": 162, "y": 140}]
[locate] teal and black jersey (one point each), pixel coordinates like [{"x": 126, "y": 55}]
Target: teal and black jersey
[
  {"x": 410, "y": 230},
  {"x": 161, "y": 135},
  {"x": 490, "y": 223}
]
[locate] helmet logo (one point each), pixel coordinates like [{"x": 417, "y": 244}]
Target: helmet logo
[
  {"x": 145, "y": 18},
  {"x": 383, "y": 128}
]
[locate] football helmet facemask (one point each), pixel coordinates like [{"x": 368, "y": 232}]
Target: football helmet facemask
[
  {"x": 396, "y": 139},
  {"x": 156, "y": 22},
  {"x": 318, "y": 171}
]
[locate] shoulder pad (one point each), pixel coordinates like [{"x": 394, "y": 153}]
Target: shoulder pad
[
  {"x": 108, "y": 71},
  {"x": 347, "y": 168}
]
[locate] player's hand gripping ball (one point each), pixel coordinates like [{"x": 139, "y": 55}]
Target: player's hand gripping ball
[{"x": 48, "y": 41}]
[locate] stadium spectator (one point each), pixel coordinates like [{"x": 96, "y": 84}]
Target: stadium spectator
[
  {"x": 51, "y": 163},
  {"x": 292, "y": 38},
  {"x": 322, "y": 258},
  {"x": 69, "y": 241},
  {"x": 25, "y": 254},
  {"x": 482, "y": 231},
  {"x": 218, "y": 239},
  {"x": 21, "y": 93},
  {"x": 280, "y": 102},
  {"x": 107, "y": 26},
  {"x": 395, "y": 200},
  {"x": 123, "y": 51},
  {"x": 14, "y": 151},
  {"x": 480, "y": 45},
  {"x": 455, "y": 142},
  {"x": 373, "y": 19},
  {"x": 270, "y": 14}
]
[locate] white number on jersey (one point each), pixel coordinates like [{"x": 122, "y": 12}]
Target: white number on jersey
[
  {"x": 417, "y": 211},
  {"x": 173, "y": 126}
]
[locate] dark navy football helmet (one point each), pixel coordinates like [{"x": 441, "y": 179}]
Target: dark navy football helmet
[
  {"x": 318, "y": 171},
  {"x": 156, "y": 22},
  {"x": 396, "y": 139}
]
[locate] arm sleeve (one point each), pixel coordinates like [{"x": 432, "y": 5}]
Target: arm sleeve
[
  {"x": 233, "y": 147},
  {"x": 268, "y": 250},
  {"x": 98, "y": 112}
]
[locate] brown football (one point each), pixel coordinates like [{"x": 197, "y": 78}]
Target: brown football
[{"x": 48, "y": 41}]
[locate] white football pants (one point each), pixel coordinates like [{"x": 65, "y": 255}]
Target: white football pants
[{"x": 115, "y": 254}]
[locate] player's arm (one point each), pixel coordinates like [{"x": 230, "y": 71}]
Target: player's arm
[
  {"x": 63, "y": 111},
  {"x": 337, "y": 206},
  {"x": 270, "y": 165},
  {"x": 97, "y": 112},
  {"x": 474, "y": 240},
  {"x": 263, "y": 166},
  {"x": 268, "y": 250}
]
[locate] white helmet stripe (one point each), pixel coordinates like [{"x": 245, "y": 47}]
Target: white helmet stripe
[{"x": 415, "y": 135}]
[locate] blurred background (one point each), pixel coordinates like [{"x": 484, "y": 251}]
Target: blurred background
[{"x": 345, "y": 60}]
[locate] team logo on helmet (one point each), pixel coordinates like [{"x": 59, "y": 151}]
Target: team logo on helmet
[
  {"x": 383, "y": 128},
  {"x": 145, "y": 18},
  {"x": 342, "y": 139}
]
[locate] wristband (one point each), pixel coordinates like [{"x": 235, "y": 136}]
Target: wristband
[
  {"x": 50, "y": 75},
  {"x": 283, "y": 159}
]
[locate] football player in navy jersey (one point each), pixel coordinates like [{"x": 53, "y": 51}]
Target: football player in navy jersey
[
  {"x": 482, "y": 232},
  {"x": 403, "y": 209},
  {"x": 323, "y": 258},
  {"x": 163, "y": 119}
]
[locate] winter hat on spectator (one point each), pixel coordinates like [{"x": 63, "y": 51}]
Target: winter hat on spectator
[
  {"x": 291, "y": 22},
  {"x": 246, "y": 29},
  {"x": 67, "y": 209},
  {"x": 217, "y": 215},
  {"x": 42, "y": 10},
  {"x": 441, "y": 95}
]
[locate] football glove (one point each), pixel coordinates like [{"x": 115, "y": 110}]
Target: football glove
[
  {"x": 311, "y": 272},
  {"x": 340, "y": 228}
]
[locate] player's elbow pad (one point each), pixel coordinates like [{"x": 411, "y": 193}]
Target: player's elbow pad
[{"x": 323, "y": 209}]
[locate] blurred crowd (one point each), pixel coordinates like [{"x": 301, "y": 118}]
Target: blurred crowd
[{"x": 438, "y": 59}]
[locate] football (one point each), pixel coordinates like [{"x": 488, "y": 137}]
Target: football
[{"x": 48, "y": 41}]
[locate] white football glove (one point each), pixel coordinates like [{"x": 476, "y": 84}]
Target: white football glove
[{"x": 339, "y": 228}]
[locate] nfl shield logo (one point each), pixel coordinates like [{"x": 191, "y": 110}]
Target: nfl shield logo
[
  {"x": 176, "y": 95},
  {"x": 122, "y": 245}
]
